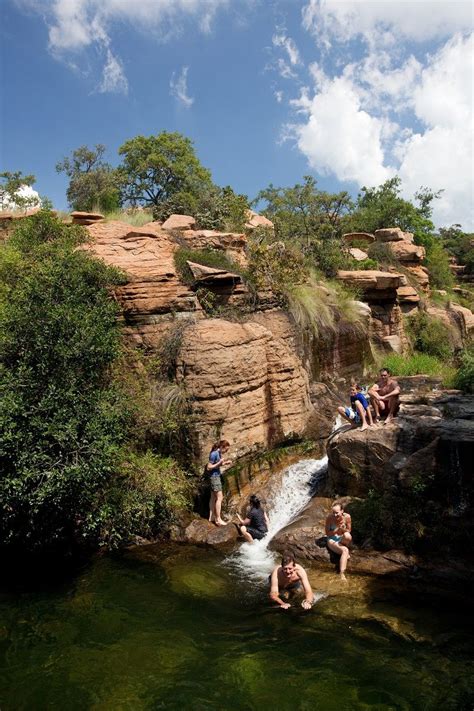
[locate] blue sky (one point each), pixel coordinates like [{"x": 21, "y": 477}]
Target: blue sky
[{"x": 350, "y": 91}]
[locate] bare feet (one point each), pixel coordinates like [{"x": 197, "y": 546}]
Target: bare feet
[
  {"x": 221, "y": 522},
  {"x": 388, "y": 420},
  {"x": 364, "y": 427},
  {"x": 343, "y": 578}
]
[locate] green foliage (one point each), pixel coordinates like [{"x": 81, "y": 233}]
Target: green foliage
[
  {"x": 163, "y": 172},
  {"x": 10, "y": 184},
  {"x": 381, "y": 253},
  {"x": 392, "y": 519},
  {"x": 61, "y": 421},
  {"x": 145, "y": 496},
  {"x": 430, "y": 335},
  {"x": 460, "y": 245},
  {"x": 136, "y": 218},
  {"x": 304, "y": 213},
  {"x": 464, "y": 379},
  {"x": 274, "y": 264},
  {"x": 418, "y": 364},
  {"x": 221, "y": 209},
  {"x": 382, "y": 206},
  {"x": 93, "y": 183},
  {"x": 437, "y": 263}
]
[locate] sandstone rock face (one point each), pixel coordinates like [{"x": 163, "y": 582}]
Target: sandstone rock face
[
  {"x": 357, "y": 237},
  {"x": 255, "y": 220},
  {"x": 434, "y": 432},
  {"x": 232, "y": 244},
  {"x": 179, "y": 222},
  {"x": 358, "y": 254},
  {"x": 407, "y": 295},
  {"x": 421, "y": 275},
  {"x": 407, "y": 253},
  {"x": 242, "y": 377},
  {"x": 199, "y": 531},
  {"x": 393, "y": 234},
  {"x": 85, "y": 218},
  {"x": 153, "y": 292},
  {"x": 371, "y": 281}
]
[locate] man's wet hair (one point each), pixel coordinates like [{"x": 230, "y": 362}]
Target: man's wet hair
[
  {"x": 287, "y": 558},
  {"x": 386, "y": 370}
]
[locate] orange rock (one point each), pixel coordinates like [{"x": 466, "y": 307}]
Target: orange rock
[
  {"x": 407, "y": 252},
  {"x": 179, "y": 222},
  {"x": 255, "y": 220},
  {"x": 393, "y": 234}
]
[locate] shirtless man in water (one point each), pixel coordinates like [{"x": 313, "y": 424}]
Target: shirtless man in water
[
  {"x": 385, "y": 396},
  {"x": 288, "y": 579}
]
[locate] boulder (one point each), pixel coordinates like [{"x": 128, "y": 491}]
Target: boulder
[
  {"x": 201, "y": 532},
  {"x": 179, "y": 222},
  {"x": 393, "y": 344},
  {"x": 421, "y": 275},
  {"x": 255, "y": 220},
  {"x": 358, "y": 237},
  {"x": 407, "y": 253},
  {"x": 240, "y": 375},
  {"x": 370, "y": 280},
  {"x": 393, "y": 234},
  {"x": 85, "y": 218},
  {"x": 358, "y": 254},
  {"x": 465, "y": 318},
  {"x": 407, "y": 294},
  {"x": 210, "y": 275}
]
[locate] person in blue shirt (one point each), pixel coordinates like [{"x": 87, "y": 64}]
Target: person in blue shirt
[
  {"x": 359, "y": 411},
  {"x": 216, "y": 461}
]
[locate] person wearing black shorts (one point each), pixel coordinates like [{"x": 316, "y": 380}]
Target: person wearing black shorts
[{"x": 255, "y": 526}]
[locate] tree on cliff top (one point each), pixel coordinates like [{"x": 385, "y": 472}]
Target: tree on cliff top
[
  {"x": 382, "y": 206},
  {"x": 93, "y": 182},
  {"x": 163, "y": 172}
]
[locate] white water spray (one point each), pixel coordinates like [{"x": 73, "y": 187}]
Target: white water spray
[{"x": 255, "y": 560}]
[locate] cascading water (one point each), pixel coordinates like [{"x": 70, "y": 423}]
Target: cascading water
[{"x": 299, "y": 481}]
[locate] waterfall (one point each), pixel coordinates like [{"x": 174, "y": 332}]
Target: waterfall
[{"x": 299, "y": 482}]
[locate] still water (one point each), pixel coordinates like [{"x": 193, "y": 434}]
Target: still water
[{"x": 180, "y": 628}]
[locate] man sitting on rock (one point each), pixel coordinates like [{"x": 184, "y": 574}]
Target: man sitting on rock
[
  {"x": 289, "y": 579},
  {"x": 359, "y": 411},
  {"x": 385, "y": 396}
]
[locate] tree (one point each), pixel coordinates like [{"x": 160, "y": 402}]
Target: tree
[
  {"x": 304, "y": 213},
  {"x": 382, "y": 206},
  {"x": 13, "y": 193},
  {"x": 93, "y": 182},
  {"x": 460, "y": 245},
  {"x": 61, "y": 419},
  {"x": 163, "y": 172}
]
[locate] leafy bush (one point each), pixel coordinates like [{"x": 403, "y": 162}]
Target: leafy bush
[
  {"x": 464, "y": 379},
  {"x": 62, "y": 421},
  {"x": 330, "y": 256},
  {"x": 437, "y": 263},
  {"x": 144, "y": 498},
  {"x": 136, "y": 218},
  {"x": 430, "y": 335}
]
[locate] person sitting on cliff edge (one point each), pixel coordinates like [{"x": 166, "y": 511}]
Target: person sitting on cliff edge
[
  {"x": 359, "y": 411},
  {"x": 289, "y": 579},
  {"x": 339, "y": 538},
  {"x": 216, "y": 461},
  {"x": 254, "y": 526},
  {"x": 385, "y": 396}
]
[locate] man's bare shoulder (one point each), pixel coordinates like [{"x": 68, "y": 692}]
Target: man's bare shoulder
[{"x": 300, "y": 570}]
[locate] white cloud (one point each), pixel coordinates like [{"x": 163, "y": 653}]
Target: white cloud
[
  {"x": 179, "y": 88},
  {"x": 340, "y": 137},
  {"x": 286, "y": 43},
  {"x": 25, "y": 191},
  {"x": 76, "y": 25},
  {"x": 418, "y": 20},
  {"x": 388, "y": 112},
  {"x": 113, "y": 77}
]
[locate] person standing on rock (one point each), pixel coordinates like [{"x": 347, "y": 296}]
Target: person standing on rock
[
  {"x": 216, "y": 461},
  {"x": 385, "y": 396},
  {"x": 359, "y": 411},
  {"x": 289, "y": 579},
  {"x": 255, "y": 526},
  {"x": 339, "y": 538}
]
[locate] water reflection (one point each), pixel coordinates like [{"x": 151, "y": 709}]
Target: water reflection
[{"x": 173, "y": 630}]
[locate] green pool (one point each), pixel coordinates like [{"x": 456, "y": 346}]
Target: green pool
[{"x": 178, "y": 629}]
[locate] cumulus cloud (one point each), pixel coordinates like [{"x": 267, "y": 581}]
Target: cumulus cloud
[
  {"x": 179, "y": 88},
  {"x": 388, "y": 111},
  {"x": 76, "y": 25},
  {"x": 343, "y": 20}
]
